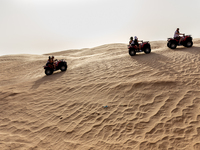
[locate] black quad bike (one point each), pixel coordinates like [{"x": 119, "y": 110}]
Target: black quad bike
[
  {"x": 174, "y": 42},
  {"x": 60, "y": 65},
  {"x": 146, "y": 48}
]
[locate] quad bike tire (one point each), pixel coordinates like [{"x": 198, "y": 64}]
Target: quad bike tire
[
  {"x": 48, "y": 71},
  {"x": 172, "y": 45},
  {"x": 168, "y": 44},
  {"x": 63, "y": 67},
  {"x": 132, "y": 52},
  {"x": 188, "y": 44},
  {"x": 147, "y": 50}
]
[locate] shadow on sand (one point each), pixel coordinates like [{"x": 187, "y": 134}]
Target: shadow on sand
[
  {"x": 156, "y": 61},
  {"x": 53, "y": 77},
  {"x": 193, "y": 49}
]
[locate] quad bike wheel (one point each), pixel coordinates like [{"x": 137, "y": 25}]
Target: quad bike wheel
[
  {"x": 147, "y": 50},
  {"x": 132, "y": 52},
  {"x": 168, "y": 44},
  {"x": 188, "y": 44},
  {"x": 48, "y": 71},
  {"x": 172, "y": 45},
  {"x": 63, "y": 68}
]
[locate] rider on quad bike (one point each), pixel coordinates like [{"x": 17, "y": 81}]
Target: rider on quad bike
[
  {"x": 177, "y": 40},
  {"x": 51, "y": 62},
  {"x": 176, "y": 36},
  {"x": 52, "y": 65},
  {"x": 134, "y": 46},
  {"x": 136, "y": 43}
]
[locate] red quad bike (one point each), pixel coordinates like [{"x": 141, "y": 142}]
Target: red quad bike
[
  {"x": 146, "y": 48},
  {"x": 186, "y": 41},
  {"x": 60, "y": 65}
]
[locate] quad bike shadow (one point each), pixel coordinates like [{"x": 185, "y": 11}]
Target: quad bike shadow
[
  {"x": 156, "y": 61},
  {"x": 44, "y": 79},
  {"x": 193, "y": 50}
]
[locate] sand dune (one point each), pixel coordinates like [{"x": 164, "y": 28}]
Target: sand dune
[{"x": 153, "y": 100}]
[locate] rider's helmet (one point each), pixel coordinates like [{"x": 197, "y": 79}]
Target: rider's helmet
[{"x": 131, "y": 38}]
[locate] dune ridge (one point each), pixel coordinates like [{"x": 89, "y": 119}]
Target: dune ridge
[{"x": 105, "y": 100}]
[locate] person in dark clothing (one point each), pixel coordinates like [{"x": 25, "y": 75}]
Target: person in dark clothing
[
  {"x": 131, "y": 41},
  {"x": 50, "y": 61},
  {"x": 136, "y": 43}
]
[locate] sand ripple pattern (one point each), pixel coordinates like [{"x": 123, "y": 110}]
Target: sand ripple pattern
[{"x": 153, "y": 101}]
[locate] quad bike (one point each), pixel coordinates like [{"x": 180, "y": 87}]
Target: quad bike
[
  {"x": 60, "y": 65},
  {"x": 186, "y": 41},
  {"x": 145, "y": 47}
]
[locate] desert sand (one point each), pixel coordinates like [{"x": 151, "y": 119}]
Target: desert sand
[{"x": 153, "y": 100}]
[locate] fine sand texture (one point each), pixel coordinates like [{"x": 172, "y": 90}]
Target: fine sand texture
[{"x": 106, "y": 100}]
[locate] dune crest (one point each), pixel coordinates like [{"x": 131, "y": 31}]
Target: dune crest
[{"x": 105, "y": 100}]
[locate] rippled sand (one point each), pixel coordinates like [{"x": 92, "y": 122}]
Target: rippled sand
[{"x": 153, "y": 100}]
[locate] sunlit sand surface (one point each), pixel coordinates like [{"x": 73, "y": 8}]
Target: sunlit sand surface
[{"x": 106, "y": 100}]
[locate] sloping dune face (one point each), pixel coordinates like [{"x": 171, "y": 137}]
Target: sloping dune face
[{"x": 105, "y": 100}]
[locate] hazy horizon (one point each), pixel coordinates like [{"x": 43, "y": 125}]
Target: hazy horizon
[{"x": 44, "y": 26}]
